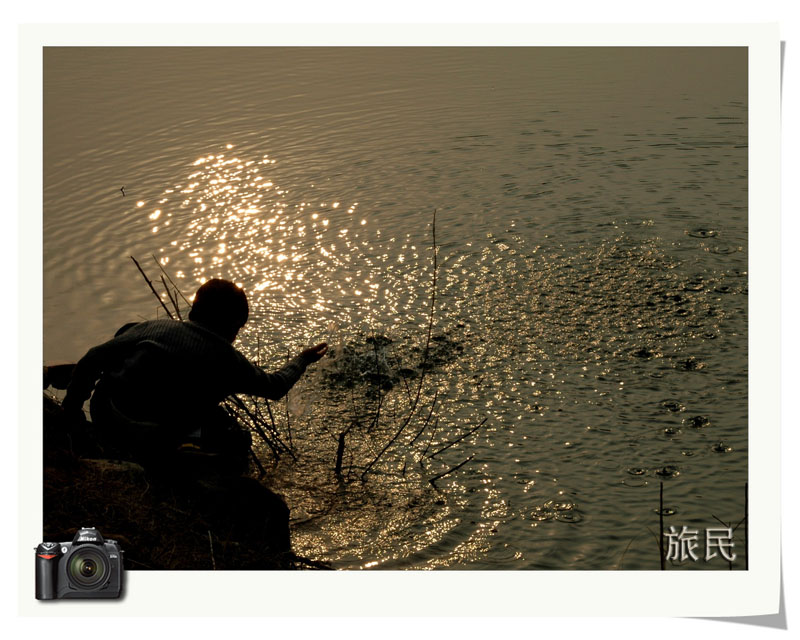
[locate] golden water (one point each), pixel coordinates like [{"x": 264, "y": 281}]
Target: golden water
[{"x": 591, "y": 290}]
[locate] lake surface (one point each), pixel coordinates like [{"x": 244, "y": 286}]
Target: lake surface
[{"x": 589, "y": 285}]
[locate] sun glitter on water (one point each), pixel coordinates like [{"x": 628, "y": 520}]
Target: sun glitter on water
[{"x": 304, "y": 262}]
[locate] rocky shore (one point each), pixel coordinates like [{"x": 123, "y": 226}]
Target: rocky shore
[{"x": 178, "y": 518}]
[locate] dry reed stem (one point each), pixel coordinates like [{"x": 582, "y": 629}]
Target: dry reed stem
[
  {"x": 152, "y": 288},
  {"x": 164, "y": 271},
  {"x": 211, "y": 545},
  {"x": 424, "y": 356},
  {"x": 171, "y": 299},
  {"x": 661, "y": 525},
  {"x": 288, "y": 424}
]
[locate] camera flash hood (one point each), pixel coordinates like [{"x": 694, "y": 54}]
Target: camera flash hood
[{"x": 88, "y": 535}]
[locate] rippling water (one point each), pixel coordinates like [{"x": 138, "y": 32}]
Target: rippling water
[{"x": 590, "y": 282}]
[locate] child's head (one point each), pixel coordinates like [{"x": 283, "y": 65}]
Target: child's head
[{"x": 221, "y": 306}]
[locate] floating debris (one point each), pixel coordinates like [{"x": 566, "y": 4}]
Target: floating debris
[
  {"x": 673, "y": 406},
  {"x": 646, "y": 354},
  {"x": 697, "y": 422},
  {"x": 690, "y": 364}
]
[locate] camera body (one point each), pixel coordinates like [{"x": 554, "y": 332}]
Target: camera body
[{"x": 87, "y": 567}]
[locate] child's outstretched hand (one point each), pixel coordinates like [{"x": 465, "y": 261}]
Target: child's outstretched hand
[{"x": 312, "y": 354}]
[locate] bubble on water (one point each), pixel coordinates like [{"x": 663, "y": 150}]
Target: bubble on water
[
  {"x": 571, "y": 516},
  {"x": 635, "y": 482},
  {"x": 541, "y": 514},
  {"x": 668, "y": 471},
  {"x": 637, "y": 471},
  {"x": 701, "y": 232},
  {"x": 724, "y": 249},
  {"x": 721, "y": 447},
  {"x": 556, "y": 510}
]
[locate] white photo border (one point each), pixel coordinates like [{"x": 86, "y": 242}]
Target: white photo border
[{"x": 421, "y": 593}]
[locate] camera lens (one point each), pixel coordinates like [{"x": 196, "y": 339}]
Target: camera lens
[{"x": 88, "y": 567}]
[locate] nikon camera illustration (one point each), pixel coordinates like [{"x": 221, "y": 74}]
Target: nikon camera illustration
[{"x": 87, "y": 567}]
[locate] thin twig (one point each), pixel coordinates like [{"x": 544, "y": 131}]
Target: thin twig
[
  {"x": 261, "y": 471},
  {"x": 622, "y": 558},
  {"x": 211, "y": 545},
  {"x": 661, "y": 525},
  {"x": 430, "y": 440},
  {"x": 271, "y": 417},
  {"x": 377, "y": 417},
  {"x": 164, "y": 271},
  {"x": 259, "y": 428},
  {"x": 727, "y": 525},
  {"x": 425, "y": 424},
  {"x": 232, "y": 407},
  {"x": 405, "y": 382},
  {"x": 258, "y": 417},
  {"x": 398, "y": 363},
  {"x": 655, "y": 537},
  {"x": 142, "y": 564},
  {"x": 339, "y": 453},
  {"x": 171, "y": 299},
  {"x": 150, "y": 284},
  {"x": 459, "y": 439},
  {"x": 424, "y": 358},
  {"x": 746, "y": 522},
  {"x": 450, "y": 470},
  {"x": 288, "y": 424}
]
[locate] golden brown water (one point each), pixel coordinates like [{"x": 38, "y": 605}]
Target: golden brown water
[{"x": 591, "y": 291}]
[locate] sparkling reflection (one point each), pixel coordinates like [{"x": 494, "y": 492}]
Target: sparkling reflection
[{"x": 560, "y": 361}]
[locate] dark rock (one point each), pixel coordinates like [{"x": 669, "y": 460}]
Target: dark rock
[{"x": 167, "y": 520}]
